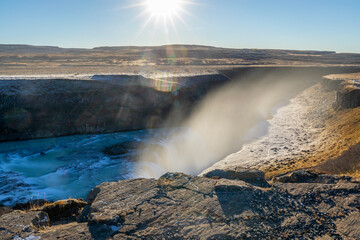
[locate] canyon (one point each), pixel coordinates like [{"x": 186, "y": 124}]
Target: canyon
[
  {"x": 275, "y": 153},
  {"x": 45, "y": 107}
]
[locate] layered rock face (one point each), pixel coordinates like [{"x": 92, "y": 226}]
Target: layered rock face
[
  {"x": 42, "y": 108},
  {"x": 347, "y": 87},
  {"x": 300, "y": 205},
  {"x": 50, "y": 108}
]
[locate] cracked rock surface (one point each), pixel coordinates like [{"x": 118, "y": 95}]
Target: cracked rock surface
[
  {"x": 18, "y": 224},
  {"x": 179, "y": 206}
]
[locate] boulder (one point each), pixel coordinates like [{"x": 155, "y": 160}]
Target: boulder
[
  {"x": 121, "y": 148},
  {"x": 298, "y": 176},
  {"x": 247, "y": 175},
  {"x": 22, "y": 224}
]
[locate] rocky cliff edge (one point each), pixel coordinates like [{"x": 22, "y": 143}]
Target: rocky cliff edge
[{"x": 300, "y": 204}]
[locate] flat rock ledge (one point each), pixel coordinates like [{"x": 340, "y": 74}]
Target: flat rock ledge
[
  {"x": 253, "y": 176},
  {"x": 180, "y": 206}
]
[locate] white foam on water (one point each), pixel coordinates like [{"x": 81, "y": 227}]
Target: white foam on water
[{"x": 64, "y": 167}]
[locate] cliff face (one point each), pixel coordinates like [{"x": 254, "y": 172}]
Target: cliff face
[
  {"x": 54, "y": 107},
  {"x": 347, "y": 87},
  {"x": 41, "y": 108}
]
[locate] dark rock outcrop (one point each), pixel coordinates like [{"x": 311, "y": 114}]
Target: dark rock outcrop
[
  {"x": 349, "y": 96},
  {"x": 248, "y": 175},
  {"x": 68, "y": 209},
  {"x": 347, "y": 91},
  {"x": 179, "y": 206},
  {"x": 121, "y": 148}
]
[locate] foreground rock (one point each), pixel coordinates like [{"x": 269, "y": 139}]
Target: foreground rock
[
  {"x": 20, "y": 224},
  {"x": 179, "y": 206}
]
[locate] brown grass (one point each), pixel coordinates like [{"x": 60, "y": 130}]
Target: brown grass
[
  {"x": 348, "y": 162},
  {"x": 39, "y": 207},
  {"x": 344, "y": 76},
  {"x": 338, "y": 149}
]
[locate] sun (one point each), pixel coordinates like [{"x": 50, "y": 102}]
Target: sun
[
  {"x": 164, "y": 8},
  {"x": 165, "y": 11},
  {"x": 164, "y": 14}
]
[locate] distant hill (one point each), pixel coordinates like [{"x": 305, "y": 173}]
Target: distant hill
[
  {"x": 19, "y": 48},
  {"x": 23, "y": 48},
  {"x": 16, "y": 59}
]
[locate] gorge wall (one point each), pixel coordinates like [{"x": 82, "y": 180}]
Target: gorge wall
[
  {"x": 56, "y": 107},
  {"x": 42, "y": 108},
  {"x": 347, "y": 89}
]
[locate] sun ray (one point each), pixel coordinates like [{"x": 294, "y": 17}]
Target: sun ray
[
  {"x": 146, "y": 23},
  {"x": 172, "y": 22}
]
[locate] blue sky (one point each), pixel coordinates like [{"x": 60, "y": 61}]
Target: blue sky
[{"x": 275, "y": 24}]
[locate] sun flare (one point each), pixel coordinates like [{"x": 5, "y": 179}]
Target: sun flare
[
  {"x": 164, "y": 8},
  {"x": 164, "y": 11},
  {"x": 163, "y": 14}
]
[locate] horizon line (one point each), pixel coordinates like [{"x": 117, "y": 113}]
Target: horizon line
[{"x": 172, "y": 44}]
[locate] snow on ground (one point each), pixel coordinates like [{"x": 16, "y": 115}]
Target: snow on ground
[
  {"x": 47, "y": 76},
  {"x": 157, "y": 74}
]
